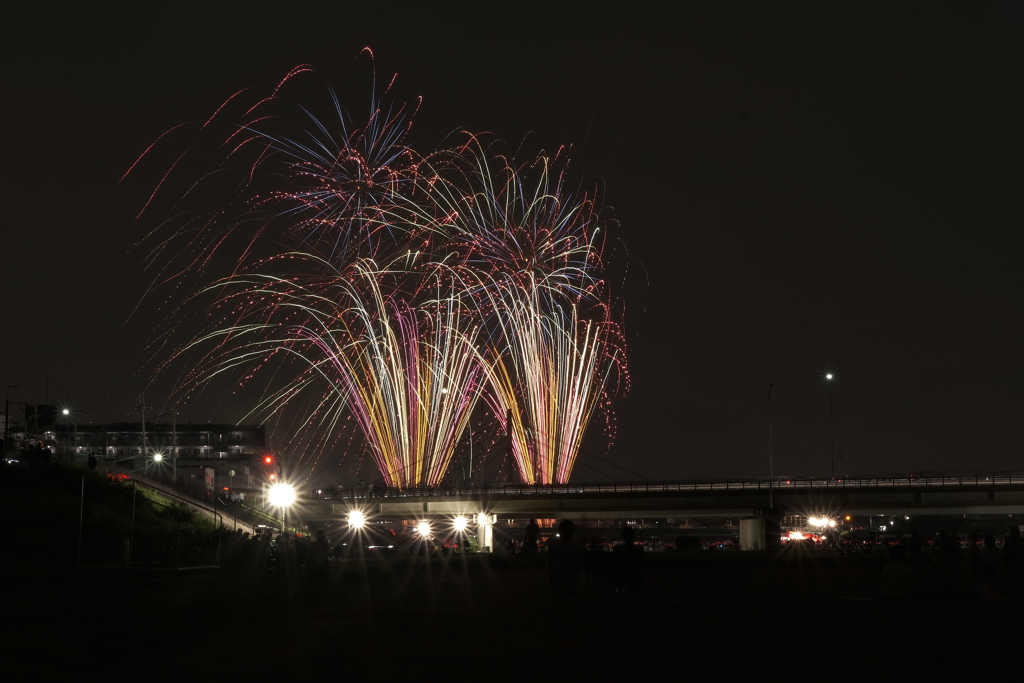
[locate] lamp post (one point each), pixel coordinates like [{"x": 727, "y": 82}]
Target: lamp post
[
  {"x": 771, "y": 463},
  {"x": 67, "y": 413},
  {"x": 831, "y": 428},
  {"x": 7, "y": 417},
  {"x": 282, "y": 496}
]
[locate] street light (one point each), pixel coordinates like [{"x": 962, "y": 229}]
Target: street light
[
  {"x": 7, "y": 416},
  {"x": 356, "y": 519},
  {"x": 155, "y": 459},
  {"x": 67, "y": 413},
  {"x": 282, "y": 496},
  {"x": 771, "y": 460},
  {"x": 832, "y": 428}
]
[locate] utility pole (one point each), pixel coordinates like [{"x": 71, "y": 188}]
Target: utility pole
[
  {"x": 832, "y": 430},
  {"x": 7, "y": 417},
  {"x": 142, "y": 407},
  {"x": 771, "y": 462},
  {"x": 174, "y": 440}
]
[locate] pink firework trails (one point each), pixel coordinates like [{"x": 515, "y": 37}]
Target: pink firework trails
[
  {"x": 532, "y": 252},
  {"x": 287, "y": 179},
  {"x": 409, "y": 286},
  {"x": 548, "y": 371},
  {"x": 411, "y": 376}
]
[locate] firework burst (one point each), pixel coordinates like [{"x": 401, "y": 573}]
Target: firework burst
[{"x": 397, "y": 289}]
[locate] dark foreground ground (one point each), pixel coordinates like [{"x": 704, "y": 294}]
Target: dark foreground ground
[{"x": 490, "y": 617}]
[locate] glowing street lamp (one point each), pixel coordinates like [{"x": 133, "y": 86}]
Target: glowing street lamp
[
  {"x": 423, "y": 528},
  {"x": 832, "y": 427},
  {"x": 153, "y": 460},
  {"x": 7, "y": 418},
  {"x": 356, "y": 519},
  {"x": 460, "y": 523},
  {"x": 67, "y": 413},
  {"x": 282, "y": 495}
]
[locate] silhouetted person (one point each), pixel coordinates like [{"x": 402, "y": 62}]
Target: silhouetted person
[
  {"x": 34, "y": 456},
  {"x": 628, "y": 571},
  {"x": 897, "y": 576},
  {"x": 1013, "y": 552},
  {"x": 263, "y": 550},
  {"x": 286, "y": 564},
  {"x": 317, "y": 565},
  {"x": 530, "y": 538},
  {"x": 596, "y": 565},
  {"x": 915, "y": 544},
  {"x": 991, "y": 562},
  {"x": 949, "y": 575},
  {"x": 92, "y": 463},
  {"x": 564, "y": 560}
]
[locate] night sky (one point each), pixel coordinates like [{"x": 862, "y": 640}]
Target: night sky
[{"x": 795, "y": 194}]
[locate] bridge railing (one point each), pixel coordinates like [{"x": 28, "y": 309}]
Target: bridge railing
[{"x": 858, "y": 483}]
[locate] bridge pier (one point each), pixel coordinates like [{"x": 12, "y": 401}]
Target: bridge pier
[
  {"x": 485, "y": 532},
  {"x": 752, "y": 534}
]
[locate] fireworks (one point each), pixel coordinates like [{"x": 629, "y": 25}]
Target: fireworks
[
  {"x": 398, "y": 289},
  {"x": 546, "y": 382}
]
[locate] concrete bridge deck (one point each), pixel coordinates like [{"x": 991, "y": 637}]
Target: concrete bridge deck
[{"x": 945, "y": 494}]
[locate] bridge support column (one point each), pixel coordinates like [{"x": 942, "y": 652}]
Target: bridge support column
[
  {"x": 752, "y": 534},
  {"x": 485, "y": 532}
]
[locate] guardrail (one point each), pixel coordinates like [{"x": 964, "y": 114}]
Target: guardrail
[{"x": 781, "y": 484}]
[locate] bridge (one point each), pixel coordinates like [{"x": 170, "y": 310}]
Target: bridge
[{"x": 751, "y": 500}]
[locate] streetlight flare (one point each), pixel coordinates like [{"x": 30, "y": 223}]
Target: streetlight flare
[
  {"x": 356, "y": 519},
  {"x": 282, "y": 495}
]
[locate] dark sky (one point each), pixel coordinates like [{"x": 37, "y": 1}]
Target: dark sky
[{"x": 798, "y": 194}]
